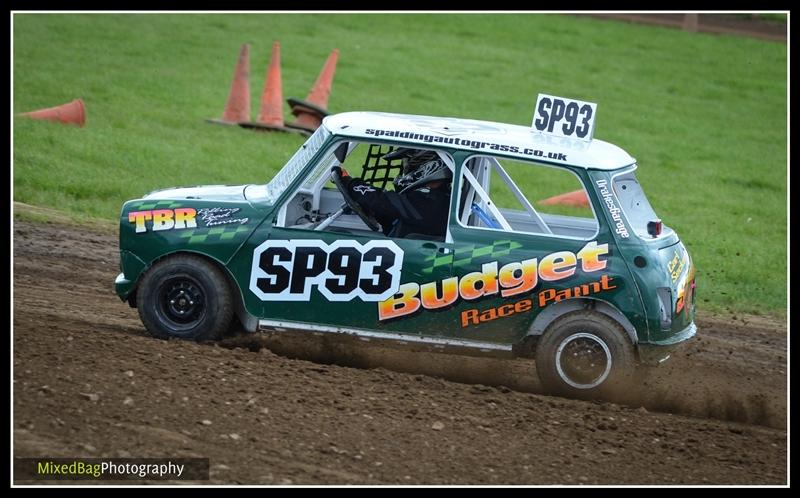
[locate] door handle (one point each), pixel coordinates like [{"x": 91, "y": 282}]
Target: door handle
[{"x": 431, "y": 246}]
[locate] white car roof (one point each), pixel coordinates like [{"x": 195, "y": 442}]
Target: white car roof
[{"x": 478, "y": 136}]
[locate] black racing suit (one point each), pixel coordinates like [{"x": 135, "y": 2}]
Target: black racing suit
[{"x": 423, "y": 210}]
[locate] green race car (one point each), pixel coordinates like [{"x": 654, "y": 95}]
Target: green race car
[{"x": 590, "y": 283}]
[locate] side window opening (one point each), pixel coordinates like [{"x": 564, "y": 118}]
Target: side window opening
[
  {"x": 376, "y": 170},
  {"x": 635, "y": 205},
  {"x": 317, "y": 199},
  {"x": 509, "y": 195}
]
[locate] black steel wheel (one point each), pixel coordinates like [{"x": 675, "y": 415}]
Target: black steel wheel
[{"x": 185, "y": 297}]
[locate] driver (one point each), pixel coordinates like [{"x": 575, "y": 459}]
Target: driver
[{"x": 420, "y": 201}]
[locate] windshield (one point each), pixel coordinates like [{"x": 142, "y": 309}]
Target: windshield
[
  {"x": 280, "y": 183},
  {"x": 634, "y": 204}
]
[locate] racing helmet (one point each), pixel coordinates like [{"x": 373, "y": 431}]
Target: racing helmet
[{"x": 419, "y": 167}]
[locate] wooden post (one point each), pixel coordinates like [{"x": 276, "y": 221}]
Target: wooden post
[{"x": 690, "y": 23}]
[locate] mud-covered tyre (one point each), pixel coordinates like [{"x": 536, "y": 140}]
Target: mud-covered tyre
[
  {"x": 185, "y": 297},
  {"x": 585, "y": 355}
]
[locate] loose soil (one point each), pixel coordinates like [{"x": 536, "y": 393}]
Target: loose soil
[{"x": 307, "y": 409}]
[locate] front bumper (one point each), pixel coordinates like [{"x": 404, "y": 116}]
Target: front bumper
[
  {"x": 132, "y": 268},
  {"x": 122, "y": 286},
  {"x": 655, "y": 353}
]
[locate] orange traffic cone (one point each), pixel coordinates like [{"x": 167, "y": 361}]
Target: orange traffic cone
[
  {"x": 72, "y": 113},
  {"x": 310, "y": 112},
  {"x": 577, "y": 198},
  {"x": 270, "y": 117},
  {"x": 238, "y": 107}
]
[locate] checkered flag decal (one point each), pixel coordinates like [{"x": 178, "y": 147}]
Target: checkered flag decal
[
  {"x": 146, "y": 205},
  {"x": 214, "y": 234},
  {"x": 463, "y": 256}
]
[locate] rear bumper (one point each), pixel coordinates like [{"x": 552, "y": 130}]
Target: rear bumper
[{"x": 655, "y": 353}]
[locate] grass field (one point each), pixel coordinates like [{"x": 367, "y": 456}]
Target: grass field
[{"x": 705, "y": 115}]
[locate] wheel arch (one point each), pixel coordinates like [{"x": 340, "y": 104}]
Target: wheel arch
[
  {"x": 248, "y": 321},
  {"x": 561, "y": 308}
]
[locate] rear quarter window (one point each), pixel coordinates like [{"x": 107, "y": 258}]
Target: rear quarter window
[{"x": 633, "y": 203}]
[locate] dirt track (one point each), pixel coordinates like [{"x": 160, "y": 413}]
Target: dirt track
[{"x": 89, "y": 382}]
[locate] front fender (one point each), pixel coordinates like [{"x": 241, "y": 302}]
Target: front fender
[{"x": 152, "y": 229}]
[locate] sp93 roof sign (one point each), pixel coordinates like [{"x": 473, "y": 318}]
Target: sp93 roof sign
[{"x": 564, "y": 117}]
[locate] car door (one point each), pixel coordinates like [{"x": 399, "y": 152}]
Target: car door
[
  {"x": 347, "y": 280},
  {"x": 340, "y": 274}
]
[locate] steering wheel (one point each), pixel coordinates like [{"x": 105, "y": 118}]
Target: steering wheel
[{"x": 336, "y": 177}]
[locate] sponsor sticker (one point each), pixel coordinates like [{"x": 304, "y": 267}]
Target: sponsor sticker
[
  {"x": 468, "y": 143},
  {"x": 178, "y": 218},
  {"x": 613, "y": 210},
  {"x": 215, "y": 216},
  {"x": 514, "y": 279},
  {"x": 542, "y": 298},
  {"x": 676, "y": 265},
  {"x": 163, "y": 219}
]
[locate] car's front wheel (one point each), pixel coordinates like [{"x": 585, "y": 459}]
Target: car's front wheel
[
  {"x": 185, "y": 297},
  {"x": 585, "y": 355}
]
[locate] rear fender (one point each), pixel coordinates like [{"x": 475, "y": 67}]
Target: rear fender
[{"x": 550, "y": 313}]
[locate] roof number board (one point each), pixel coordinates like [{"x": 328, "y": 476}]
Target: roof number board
[{"x": 564, "y": 117}]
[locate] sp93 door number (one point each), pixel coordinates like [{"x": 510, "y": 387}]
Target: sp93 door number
[
  {"x": 286, "y": 270},
  {"x": 564, "y": 117}
]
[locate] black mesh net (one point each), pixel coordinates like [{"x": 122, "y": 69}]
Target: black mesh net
[{"x": 377, "y": 171}]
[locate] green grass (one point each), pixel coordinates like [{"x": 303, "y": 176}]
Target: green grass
[{"x": 705, "y": 115}]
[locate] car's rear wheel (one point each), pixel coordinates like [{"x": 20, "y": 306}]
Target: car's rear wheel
[
  {"x": 585, "y": 355},
  {"x": 185, "y": 297}
]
